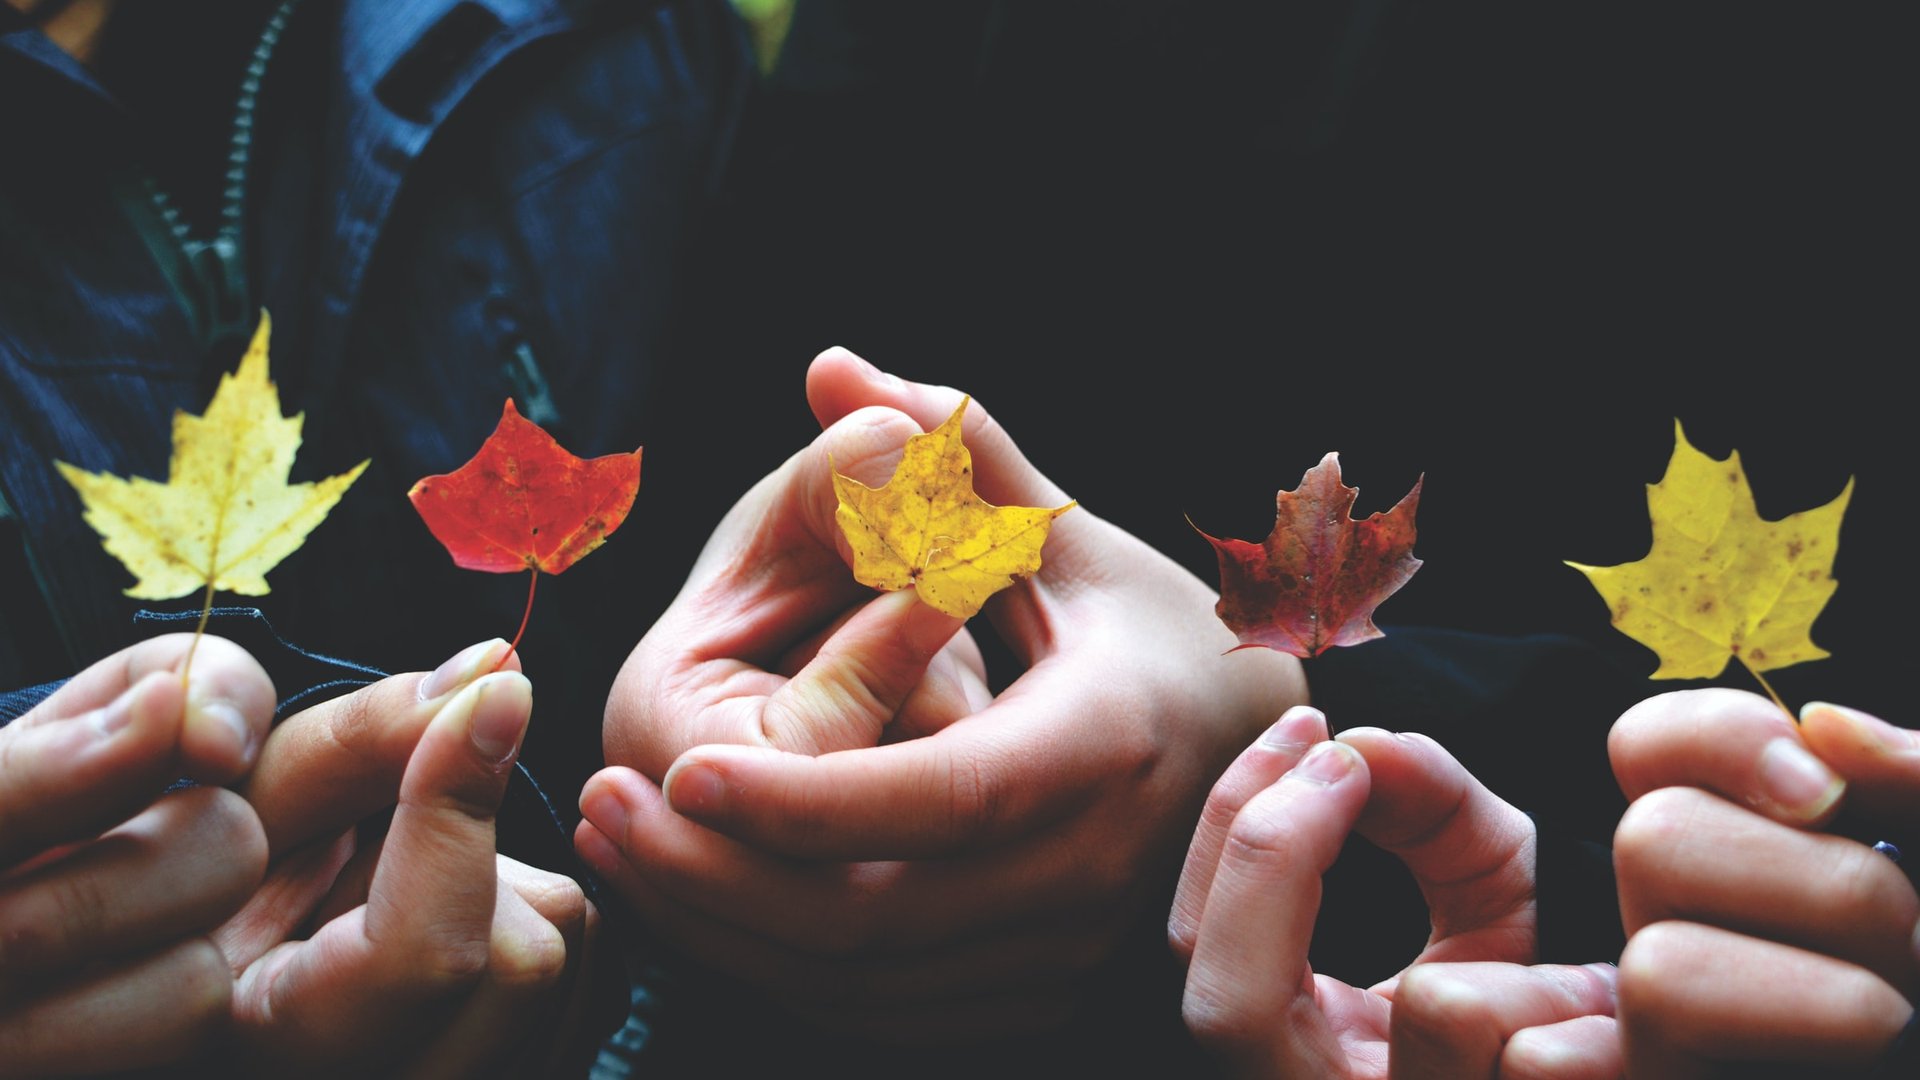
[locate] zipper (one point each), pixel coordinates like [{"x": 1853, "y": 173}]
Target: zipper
[{"x": 208, "y": 275}]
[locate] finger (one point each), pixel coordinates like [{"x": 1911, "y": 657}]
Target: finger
[
  {"x": 1249, "y": 994},
  {"x": 1681, "y": 853},
  {"x": 228, "y": 705},
  {"x": 157, "y": 1010},
  {"x": 1692, "y": 995},
  {"x": 526, "y": 960},
  {"x": 1584, "y": 1048},
  {"x": 1452, "y": 1021},
  {"x": 996, "y": 775},
  {"x": 845, "y": 696},
  {"x": 771, "y": 576},
  {"x": 1056, "y": 953},
  {"x": 1470, "y": 850},
  {"x": 1736, "y": 744},
  {"x": 174, "y": 871},
  {"x": 1880, "y": 762},
  {"x": 1257, "y": 767},
  {"x": 434, "y": 888},
  {"x": 367, "y": 980},
  {"x": 285, "y": 901},
  {"x": 856, "y": 909},
  {"x": 838, "y": 383},
  {"x": 328, "y": 766},
  {"x": 71, "y": 779},
  {"x": 955, "y": 687},
  {"x": 557, "y": 898}
]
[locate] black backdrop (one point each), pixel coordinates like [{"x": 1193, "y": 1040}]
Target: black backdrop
[{"x": 1504, "y": 244}]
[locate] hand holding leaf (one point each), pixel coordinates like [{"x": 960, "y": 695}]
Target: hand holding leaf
[
  {"x": 226, "y": 514},
  {"x": 926, "y": 530},
  {"x": 1720, "y": 581}
]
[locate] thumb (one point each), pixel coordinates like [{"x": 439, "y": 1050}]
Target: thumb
[
  {"x": 1470, "y": 850},
  {"x": 1880, "y": 762},
  {"x": 845, "y": 696},
  {"x": 838, "y": 383}
]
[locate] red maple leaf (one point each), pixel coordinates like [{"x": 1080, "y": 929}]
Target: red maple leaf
[
  {"x": 1315, "y": 581},
  {"x": 525, "y": 503}
]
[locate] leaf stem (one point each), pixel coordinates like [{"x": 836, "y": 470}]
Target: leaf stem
[
  {"x": 1768, "y": 687},
  {"x": 206, "y": 609},
  {"x": 528, "y": 614}
]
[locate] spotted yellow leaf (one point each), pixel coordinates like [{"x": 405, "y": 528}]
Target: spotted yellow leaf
[
  {"x": 926, "y": 530},
  {"x": 1720, "y": 581},
  {"x": 226, "y": 514}
]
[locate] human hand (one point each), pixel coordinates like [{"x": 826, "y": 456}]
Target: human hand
[
  {"x": 1751, "y": 936},
  {"x": 958, "y": 883},
  {"x": 108, "y": 887},
  {"x": 1468, "y": 1006},
  {"x": 427, "y": 954}
]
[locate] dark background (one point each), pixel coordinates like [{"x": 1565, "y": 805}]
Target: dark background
[{"x": 1505, "y": 245}]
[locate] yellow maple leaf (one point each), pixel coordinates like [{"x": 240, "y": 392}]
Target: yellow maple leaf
[
  {"x": 926, "y": 530},
  {"x": 226, "y": 514},
  {"x": 1720, "y": 581}
]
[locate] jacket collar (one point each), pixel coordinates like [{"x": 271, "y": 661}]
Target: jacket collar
[{"x": 403, "y": 68}]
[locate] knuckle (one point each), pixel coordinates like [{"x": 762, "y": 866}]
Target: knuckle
[
  {"x": 205, "y": 979},
  {"x": 972, "y": 797},
  {"x": 533, "y": 959},
  {"x": 1647, "y": 968},
  {"x": 1866, "y": 881},
  {"x": 1218, "y": 1019},
  {"x": 1436, "y": 1005},
  {"x": 1652, "y": 830},
  {"x": 444, "y": 967},
  {"x": 237, "y": 830}
]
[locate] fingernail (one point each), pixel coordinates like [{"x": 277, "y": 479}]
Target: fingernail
[
  {"x": 502, "y": 704},
  {"x": 115, "y": 714},
  {"x": 1296, "y": 729},
  {"x": 695, "y": 790},
  {"x": 223, "y": 716},
  {"x": 872, "y": 371},
  {"x": 599, "y": 805},
  {"x": 1870, "y": 731},
  {"x": 465, "y": 666},
  {"x": 1914, "y": 943},
  {"x": 1326, "y": 763},
  {"x": 1608, "y": 974},
  {"x": 1797, "y": 781}
]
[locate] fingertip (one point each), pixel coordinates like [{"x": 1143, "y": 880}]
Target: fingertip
[
  {"x": 465, "y": 666},
  {"x": 1327, "y": 764},
  {"x": 603, "y": 806},
  {"x": 1826, "y": 727},
  {"x": 1298, "y": 728},
  {"x": 695, "y": 790},
  {"x": 497, "y": 719}
]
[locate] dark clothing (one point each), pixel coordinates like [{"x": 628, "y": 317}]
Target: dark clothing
[{"x": 450, "y": 203}]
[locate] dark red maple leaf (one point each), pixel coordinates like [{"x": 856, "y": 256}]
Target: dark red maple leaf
[
  {"x": 525, "y": 503},
  {"x": 1315, "y": 581}
]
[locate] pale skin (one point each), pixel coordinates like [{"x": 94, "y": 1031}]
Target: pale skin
[
  {"x": 1471, "y": 1004},
  {"x": 814, "y": 790},
  {"x": 139, "y": 928},
  {"x": 1754, "y": 936}
]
